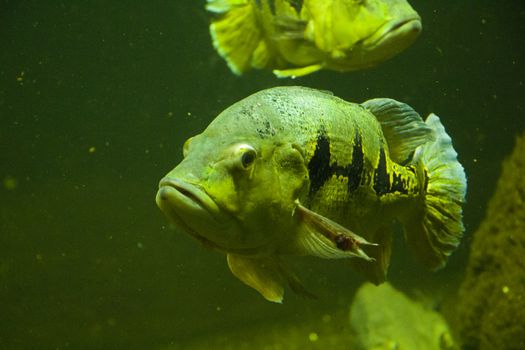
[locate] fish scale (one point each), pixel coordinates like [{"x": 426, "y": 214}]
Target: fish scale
[
  {"x": 366, "y": 177},
  {"x": 297, "y": 171}
]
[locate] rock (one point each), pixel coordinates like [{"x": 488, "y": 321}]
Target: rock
[
  {"x": 491, "y": 305},
  {"x": 383, "y": 318}
]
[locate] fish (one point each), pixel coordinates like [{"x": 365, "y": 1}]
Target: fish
[
  {"x": 294, "y": 171},
  {"x": 298, "y": 37}
]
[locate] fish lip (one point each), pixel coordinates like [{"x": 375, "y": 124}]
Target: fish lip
[
  {"x": 191, "y": 199},
  {"x": 191, "y": 194},
  {"x": 389, "y": 28}
]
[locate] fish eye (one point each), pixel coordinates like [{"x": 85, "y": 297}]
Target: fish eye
[
  {"x": 186, "y": 147},
  {"x": 246, "y": 155}
]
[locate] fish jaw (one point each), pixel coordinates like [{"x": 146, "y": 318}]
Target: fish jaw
[
  {"x": 189, "y": 208},
  {"x": 399, "y": 34},
  {"x": 389, "y": 40}
]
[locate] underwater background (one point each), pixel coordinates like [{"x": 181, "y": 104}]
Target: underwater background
[{"x": 96, "y": 100}]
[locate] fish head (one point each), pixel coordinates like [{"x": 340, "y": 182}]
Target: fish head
[
  {"x": 358, "y": 34},
  {"x": 234, "y": 190}
]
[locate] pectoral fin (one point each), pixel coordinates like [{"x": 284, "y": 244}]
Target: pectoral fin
[{"x": 327, "y": 239}]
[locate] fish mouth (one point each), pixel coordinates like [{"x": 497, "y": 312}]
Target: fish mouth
[
  {"x": 193, "y": 211},
  {"x": 188, "y": 205},
  {"x": 408, "y": 29}
]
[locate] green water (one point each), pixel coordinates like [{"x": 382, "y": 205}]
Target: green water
[{"x": 96, "y": 98}]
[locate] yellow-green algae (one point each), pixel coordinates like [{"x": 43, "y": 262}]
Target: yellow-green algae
[
  {"x": 383, "y": 318},
  {"x": 491, "y": 305}
]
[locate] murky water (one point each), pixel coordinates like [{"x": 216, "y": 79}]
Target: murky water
[{"x": 96, "y": 99}]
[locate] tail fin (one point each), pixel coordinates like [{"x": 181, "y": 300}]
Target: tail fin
[
  {"x": 236, "y": 34},
  {"x": 435, "y": 231}
]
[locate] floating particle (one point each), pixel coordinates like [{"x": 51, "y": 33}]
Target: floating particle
[
  {"x": 313, "y": 337},
  {"x": 20, "y": 77},
  {"x": 10, "y": 183}
]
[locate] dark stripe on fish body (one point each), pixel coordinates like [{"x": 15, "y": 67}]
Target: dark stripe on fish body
[
  {"x": 425, "y": 184},
  {"x": 271, "y": 3},
  {"x": 354, "y": 171},
  {"x": 297, "y": 5},
  {"x": 319, "y": 165},
  {"x": 320, "y": 170},
  {"x": 258, "y": 3},
  {"x": 399, "y": 184},
  {"x": 381, "y": 178}
]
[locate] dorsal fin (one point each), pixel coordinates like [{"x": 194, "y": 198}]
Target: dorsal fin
[{"x": 402, "y": 126}]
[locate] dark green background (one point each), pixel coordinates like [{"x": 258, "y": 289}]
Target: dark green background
[{"x": 86, "y": 258}]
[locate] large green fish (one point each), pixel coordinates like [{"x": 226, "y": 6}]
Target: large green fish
[
  {"x": 297, "y": 171},
  {"x": 298, "y": 37}
]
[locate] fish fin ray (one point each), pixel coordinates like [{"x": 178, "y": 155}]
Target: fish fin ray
[
  {"x": 402, "y": 126},
  {"x": 261, "y": 55},
  {"x": 289, "y": 27},
  {"x": 434, "y": 232},
  {"x": 235, "y": 32},
  {"x": 327, "y": 239}
]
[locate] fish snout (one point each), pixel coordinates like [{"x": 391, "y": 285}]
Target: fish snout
[
  {"x": 185, "y": 199},
  {"x": 405, "y": 31}
]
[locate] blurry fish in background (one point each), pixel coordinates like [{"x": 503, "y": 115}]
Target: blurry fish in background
[
  {"x": 299, "y": 37},
  {"x": 297, "y": 171}
]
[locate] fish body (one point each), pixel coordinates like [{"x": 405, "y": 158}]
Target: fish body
[
  {"x": 297, "y": 171},
  {"x": 298, "y": 37}
]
